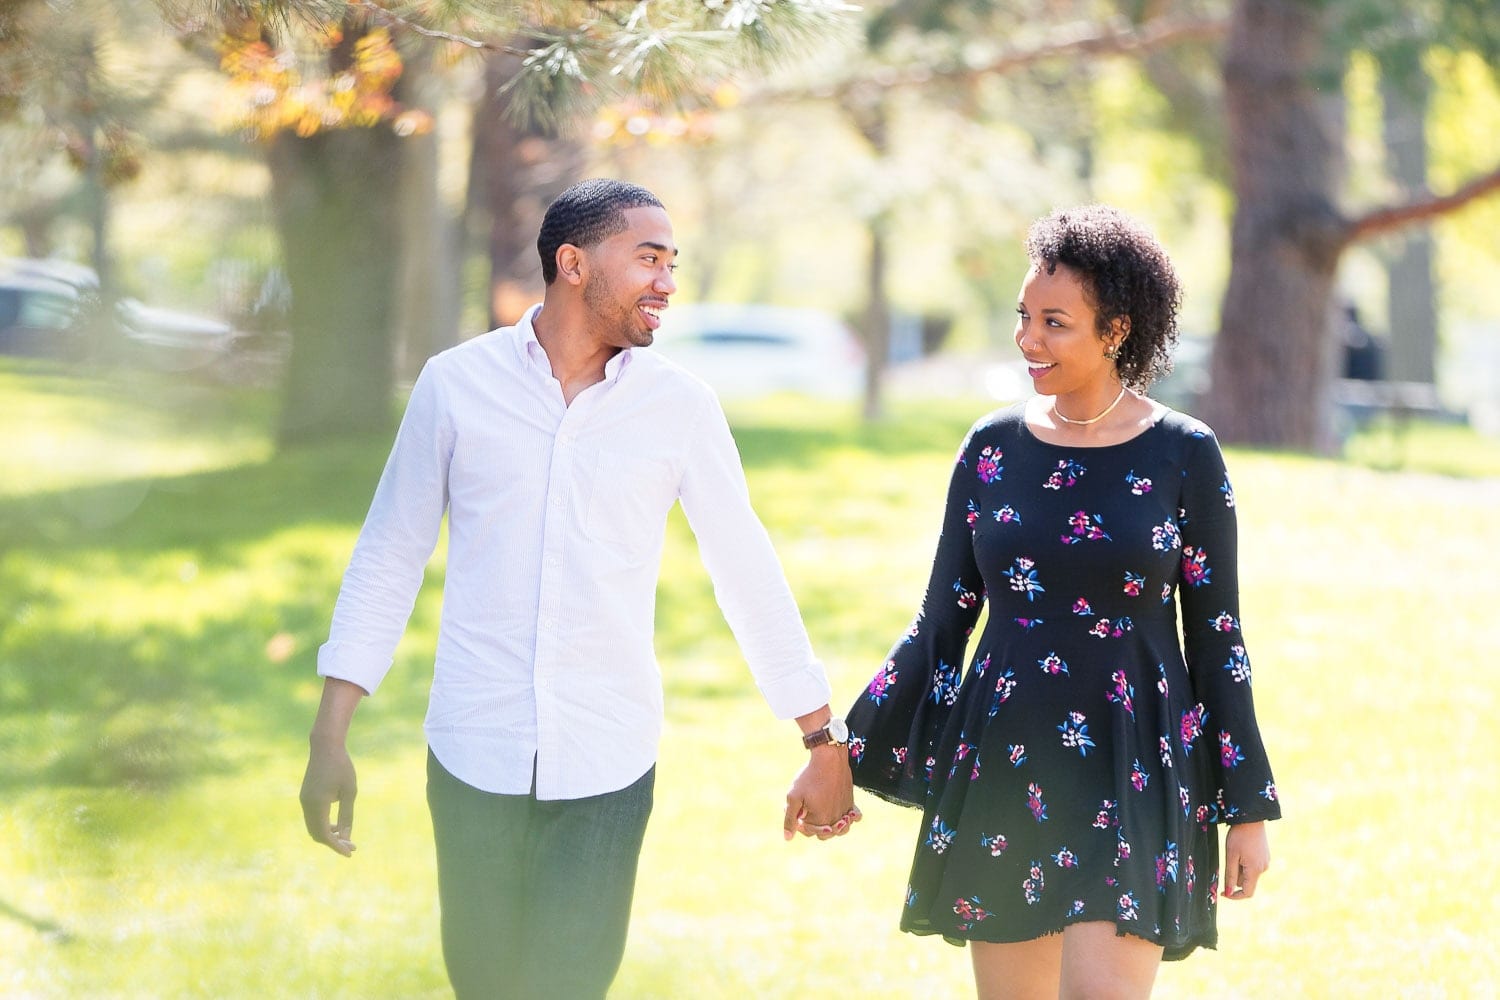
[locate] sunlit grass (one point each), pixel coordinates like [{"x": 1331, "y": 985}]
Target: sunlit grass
[{"x": 156, "y": 682}]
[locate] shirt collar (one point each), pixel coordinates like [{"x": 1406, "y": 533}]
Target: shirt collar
[{"x": 531, "y": 348}]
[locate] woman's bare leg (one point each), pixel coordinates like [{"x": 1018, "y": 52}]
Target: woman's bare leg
[
  {"x": 1025, "y": 970},
  {"x": 1097, "y": 964}
]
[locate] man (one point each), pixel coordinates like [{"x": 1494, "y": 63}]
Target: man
[{"x": 558, "y": 447}]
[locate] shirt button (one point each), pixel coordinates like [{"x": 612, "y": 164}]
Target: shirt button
[
  {"x": 547, "y": 623},
  {"x": 558, "y": 501}
]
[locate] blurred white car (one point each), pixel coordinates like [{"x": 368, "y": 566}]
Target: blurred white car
[{"x": 752, "y": 350}]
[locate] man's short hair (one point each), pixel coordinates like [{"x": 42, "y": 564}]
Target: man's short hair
[{"x": 587, "y": 214}]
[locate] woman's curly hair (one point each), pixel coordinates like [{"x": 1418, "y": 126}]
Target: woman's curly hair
[{"x": 1125, "y": 273}]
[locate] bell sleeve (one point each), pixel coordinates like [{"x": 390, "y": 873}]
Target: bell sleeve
[
  {"x": 896, "y": 722},
  {"x": 1213, "y": 642}
]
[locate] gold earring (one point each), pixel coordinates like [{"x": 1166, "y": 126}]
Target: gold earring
[{"x": 1112, "y": 353}]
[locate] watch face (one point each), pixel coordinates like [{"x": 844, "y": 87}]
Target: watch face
[{"x": 839, "y": 730}]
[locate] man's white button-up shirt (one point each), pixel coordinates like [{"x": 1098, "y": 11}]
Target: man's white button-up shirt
[{"x": 556, "y": 517}]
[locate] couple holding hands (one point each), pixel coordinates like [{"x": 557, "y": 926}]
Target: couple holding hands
[{"x": 1073, "y": 763}]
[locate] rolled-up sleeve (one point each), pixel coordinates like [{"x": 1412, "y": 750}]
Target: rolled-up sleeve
[
  {"x": 398, "y": 537},
  {"x": 748, "y": 580}
]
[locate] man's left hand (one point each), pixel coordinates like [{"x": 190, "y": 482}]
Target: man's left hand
[{"x": 820, "y": 802}]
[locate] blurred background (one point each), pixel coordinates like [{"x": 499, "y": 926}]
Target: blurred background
[
  {"x": 231, "y": 233},
  {"x": 318, "y": 196}
]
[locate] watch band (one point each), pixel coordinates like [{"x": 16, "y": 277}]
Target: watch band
[{"x": 834, "y": 731}]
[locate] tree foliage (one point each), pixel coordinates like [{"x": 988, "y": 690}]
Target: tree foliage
[{"x": 319, "y": 83}]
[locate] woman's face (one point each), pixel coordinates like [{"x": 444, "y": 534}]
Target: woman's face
[{"x": 1057, "y": 334}]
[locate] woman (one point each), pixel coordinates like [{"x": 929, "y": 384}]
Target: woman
[{"x": 1073, "y": 780}]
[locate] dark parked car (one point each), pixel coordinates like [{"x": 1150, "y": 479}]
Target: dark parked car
[
  {"x": 43, "y": 308},
  {"x": 52, "y": 309}
]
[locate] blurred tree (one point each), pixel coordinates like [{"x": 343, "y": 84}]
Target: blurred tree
[
  {"x": 942, "y": 47},
  {"x": 61, "y": 102},
  {"x": 1273, "y": 362},
  {"x": 320, "y": 81}
]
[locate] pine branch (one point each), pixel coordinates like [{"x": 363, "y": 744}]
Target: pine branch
[
  {"x": 1072, "y": 43},
  {"x": 1393, "y": 217}
]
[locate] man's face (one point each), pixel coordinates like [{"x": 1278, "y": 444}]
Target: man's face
[{"x": 630, "y": 278}]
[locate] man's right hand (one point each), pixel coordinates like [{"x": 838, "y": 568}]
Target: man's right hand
[
  {"x": 329, "y": 779},
  {"x": 330, "y": 772}
]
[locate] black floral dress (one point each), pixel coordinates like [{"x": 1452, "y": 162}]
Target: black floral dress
[{"x": 1078, "y": 768}]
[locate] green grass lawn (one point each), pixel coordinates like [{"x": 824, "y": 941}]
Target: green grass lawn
[{"x": 165, "y": 581}]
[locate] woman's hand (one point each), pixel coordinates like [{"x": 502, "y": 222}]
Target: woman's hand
[{"x": 1247, "y": 853}]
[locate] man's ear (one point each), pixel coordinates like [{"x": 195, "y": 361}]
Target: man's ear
[{"x": 570, "y": 264}]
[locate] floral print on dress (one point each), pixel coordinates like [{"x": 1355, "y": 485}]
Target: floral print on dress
[
  {"x": 1034, "y": 802},
  {"x": 1023, "y": 579},
  {"x": 881, "y": 683},
  {"x": 1067, "y": 474},
  {"x": 945, "y": 684},
  {"x": 1229, "y": 751},
  {"x": 1005, "y": 686},
  {"x": 1123, "y": 693},
  {"x": 988, "y": 467},
  {"x": 1085, "y": 527},
  {"x": 1053, "y": 664},
  {"x": 969, "y": 912},
  {"x": 1139, "y": 777},
  {"x": 1104, "y": 628},
  {"x": 1195, "y": 568},
  {"x": 939, "y": 836},
  {"x": 1075, "y": 734},
  {"x": 1192, "y": 726},
  {"x": 1059, "y": 556},
  {"x": 1033, "y": 884},
  {"x": 1238, "y": 665},
  {"x": 966, "y": 597},
  {"x": 1165, "y": 537}
]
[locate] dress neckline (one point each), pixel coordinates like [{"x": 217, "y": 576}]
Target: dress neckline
[{"x": 1160, "y": 418}]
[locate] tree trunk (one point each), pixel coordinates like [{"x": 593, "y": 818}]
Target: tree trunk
[
  {"x": 877, "y": 323},
  {"x": 428, "y": 304},
  {"x": 1273, "y": 361},
  {"x": 516, "y": 171},
  {"x": 1410, "y": 293},
  {"x": 870, "y": 115},
  {"x": 340, "y": 237}
]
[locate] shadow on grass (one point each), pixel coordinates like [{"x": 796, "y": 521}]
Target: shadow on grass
[
  {"x": 46, "y": 928},
  {"x": 151, "y": 707},
  {"x": 169, "y": 701}
]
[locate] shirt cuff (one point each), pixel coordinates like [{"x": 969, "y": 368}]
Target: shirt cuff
[
  {"x": 798, "y": 693},
  {"x": 347, "y": 661}
]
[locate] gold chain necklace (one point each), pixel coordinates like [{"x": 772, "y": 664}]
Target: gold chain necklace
[{"x": 1090, "y": 420}]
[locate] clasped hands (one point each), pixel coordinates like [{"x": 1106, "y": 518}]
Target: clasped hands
[{"x": 820, "y": 802}]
